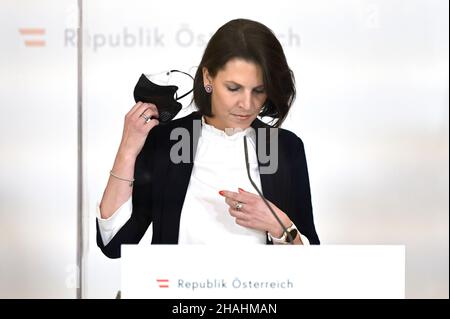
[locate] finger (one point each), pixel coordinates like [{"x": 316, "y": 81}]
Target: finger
[
  {"x": 151, "y": 111},
  {"x": 231, "y": 202},
  {"x": 133, "y": 109},
  {"x": 136, "y": 112},
  {"x": 244, "y": 192},
  {"x": 154, "y": 109},
  {"x": 151, "y": 124},
  {"x": 147, "y": 116},
  {"x": 248, "y": 197},
  {"x": 238, "y": 214},
  {"x": 232, "y": 195},
  {"x": 243, "y": 223},
  {"x": 253, "y": 199},
  {"x": 147, "y": 108}
]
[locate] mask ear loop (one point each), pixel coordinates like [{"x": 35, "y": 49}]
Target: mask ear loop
[{"x": 182, "y": 96}]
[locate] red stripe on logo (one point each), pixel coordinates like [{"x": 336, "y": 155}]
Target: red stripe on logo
[{"x": 31, "y": 31}]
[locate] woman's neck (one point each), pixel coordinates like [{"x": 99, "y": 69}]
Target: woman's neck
[
  {"x": 212, "y": 122},
  {"x": 228, "y": 130}
]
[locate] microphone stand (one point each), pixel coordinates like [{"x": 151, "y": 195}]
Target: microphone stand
[{"x": 247, "y": 165}]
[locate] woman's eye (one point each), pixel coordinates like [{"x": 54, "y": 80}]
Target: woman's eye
[
  {"x": 259, "y": 91},
  {"x": 233, "y": 89}
]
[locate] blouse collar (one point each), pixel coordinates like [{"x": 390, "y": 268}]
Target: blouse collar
[{"x": 228, "y": 134}]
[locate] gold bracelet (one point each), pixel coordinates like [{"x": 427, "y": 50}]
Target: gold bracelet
[{"x": 122, "y": 179}]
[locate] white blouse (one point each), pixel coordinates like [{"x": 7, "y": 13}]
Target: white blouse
[{"x": 219, "y": 164}]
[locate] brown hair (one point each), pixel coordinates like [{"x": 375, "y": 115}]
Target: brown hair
[{"x": 253, "y": 42}]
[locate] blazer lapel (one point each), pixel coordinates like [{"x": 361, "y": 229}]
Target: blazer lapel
[
  {"x": 178, "y": 176},
  {"x": 268, "y": 181}
]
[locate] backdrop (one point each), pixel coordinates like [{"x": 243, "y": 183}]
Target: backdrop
[{"x": 372, "y": 110}]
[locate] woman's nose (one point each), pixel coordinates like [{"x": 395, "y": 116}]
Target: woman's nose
[{"x": 246, "y": 101}]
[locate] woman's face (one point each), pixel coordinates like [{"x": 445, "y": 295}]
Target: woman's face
[{"x": 237, "y": 94}]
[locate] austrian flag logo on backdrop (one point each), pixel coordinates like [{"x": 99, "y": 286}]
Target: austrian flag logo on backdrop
[{"x": 33, "y": 37}]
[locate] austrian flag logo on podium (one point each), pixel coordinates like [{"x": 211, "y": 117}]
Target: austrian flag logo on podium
[
  {"x": 361, "y": 271},
  {"x": 163, "y": 283}
]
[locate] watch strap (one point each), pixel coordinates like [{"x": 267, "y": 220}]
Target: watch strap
[{"x": 284, "y": 239}]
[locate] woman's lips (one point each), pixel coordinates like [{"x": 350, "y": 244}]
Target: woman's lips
[{"x": 242, "y": 117}]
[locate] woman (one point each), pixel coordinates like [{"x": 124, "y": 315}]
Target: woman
[{"x": 209, "y": 198}]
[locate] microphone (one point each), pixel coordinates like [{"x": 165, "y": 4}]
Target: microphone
[{"x": 247, "y": 165}]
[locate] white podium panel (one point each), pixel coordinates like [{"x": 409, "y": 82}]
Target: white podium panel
[{"x": 262, "y": 272}]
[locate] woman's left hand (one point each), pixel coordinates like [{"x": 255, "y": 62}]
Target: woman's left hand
[{"x": 254, "y": 213}]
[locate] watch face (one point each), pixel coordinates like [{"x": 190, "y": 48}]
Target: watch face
[{"x": 293, "y": 235}]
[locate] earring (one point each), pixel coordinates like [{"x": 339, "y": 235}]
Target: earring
[{"x": 208, "y": 88}]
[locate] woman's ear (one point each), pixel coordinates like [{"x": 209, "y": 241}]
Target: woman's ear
[{"x": 206, "y": 77}]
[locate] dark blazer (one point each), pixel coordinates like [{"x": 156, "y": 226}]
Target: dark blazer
[{"x": 160, "y": 186}]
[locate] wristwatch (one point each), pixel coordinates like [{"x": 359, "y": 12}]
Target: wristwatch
[{"x": 285, "y": 238}]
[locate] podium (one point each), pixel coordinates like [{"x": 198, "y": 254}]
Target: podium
[{"x": 263, "y": 271}]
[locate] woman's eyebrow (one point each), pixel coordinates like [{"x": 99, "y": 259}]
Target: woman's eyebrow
[{"x": 237, "y": 84}]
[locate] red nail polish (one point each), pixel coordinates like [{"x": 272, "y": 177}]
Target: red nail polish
[
  {"x": 241, "y": 190},
  {"x": 221, "y": 193}
]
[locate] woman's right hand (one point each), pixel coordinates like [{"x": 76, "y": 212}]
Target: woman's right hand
[
  {"x": 135, "y": 132},
  {"x": 136, "y": 128}
]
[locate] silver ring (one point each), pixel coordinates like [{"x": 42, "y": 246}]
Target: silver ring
[
  {"x": 238, "y": 206},
  {"x": 146, "y": 118}
]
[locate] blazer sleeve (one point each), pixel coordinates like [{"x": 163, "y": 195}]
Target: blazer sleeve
[
  {"x": 141, "y": 217},
  {"x": 302, "y": 194}
]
